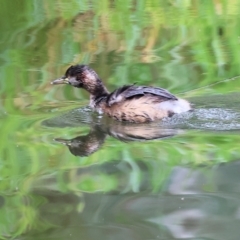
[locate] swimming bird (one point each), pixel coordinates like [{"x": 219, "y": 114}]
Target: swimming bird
[{"x": 132, "y": 103}]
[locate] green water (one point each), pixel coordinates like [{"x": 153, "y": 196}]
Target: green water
[{"x": 67, "y": 173}]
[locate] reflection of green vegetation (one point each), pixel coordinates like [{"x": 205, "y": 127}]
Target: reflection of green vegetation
[
  {"x": 181, "y": 45},
  {"x": 181, "y": 41}
]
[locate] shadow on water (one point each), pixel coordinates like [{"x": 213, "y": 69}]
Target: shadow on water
[{"x": 88, "y": 144}]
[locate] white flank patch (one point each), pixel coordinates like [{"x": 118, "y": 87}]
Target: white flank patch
[{"x": 176, "y": 106}]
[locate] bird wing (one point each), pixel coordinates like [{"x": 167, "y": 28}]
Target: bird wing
[{"x": 131, "y": 91}]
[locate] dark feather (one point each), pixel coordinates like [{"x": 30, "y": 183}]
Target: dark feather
[
  {"x": 130, "y": 91},
  {"x": 118, "y": 91},
  {"x": 141, "y": 90}
]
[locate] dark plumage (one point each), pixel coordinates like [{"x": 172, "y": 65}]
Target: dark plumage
[
  {"x": 129, "y": 91},
  {"x": 129, "y": 103}
]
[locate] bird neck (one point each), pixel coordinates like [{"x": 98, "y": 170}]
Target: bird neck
[{"x": 97, "y": 94}]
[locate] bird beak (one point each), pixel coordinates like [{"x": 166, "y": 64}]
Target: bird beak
[
  {"x": 63, "y": 141},
  {"x": 62, "y": 80}
]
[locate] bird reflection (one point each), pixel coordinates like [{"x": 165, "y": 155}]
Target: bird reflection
[{"x": 86, "y": 145}]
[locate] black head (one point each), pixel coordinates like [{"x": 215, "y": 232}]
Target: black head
[
  {"x": 82, "y": 76},
  {"x": 75, "y": 76}
]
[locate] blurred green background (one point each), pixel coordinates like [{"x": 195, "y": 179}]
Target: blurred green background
[{"x": 190, "y": 47}]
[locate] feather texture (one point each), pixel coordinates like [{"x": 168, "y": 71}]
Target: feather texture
[{"x": 130, "y": 91}]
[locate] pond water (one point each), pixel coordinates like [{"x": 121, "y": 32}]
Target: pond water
[{"x": 68, "y": 173}]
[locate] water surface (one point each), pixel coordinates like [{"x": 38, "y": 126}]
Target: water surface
[{"x": 67, "y": 172}]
